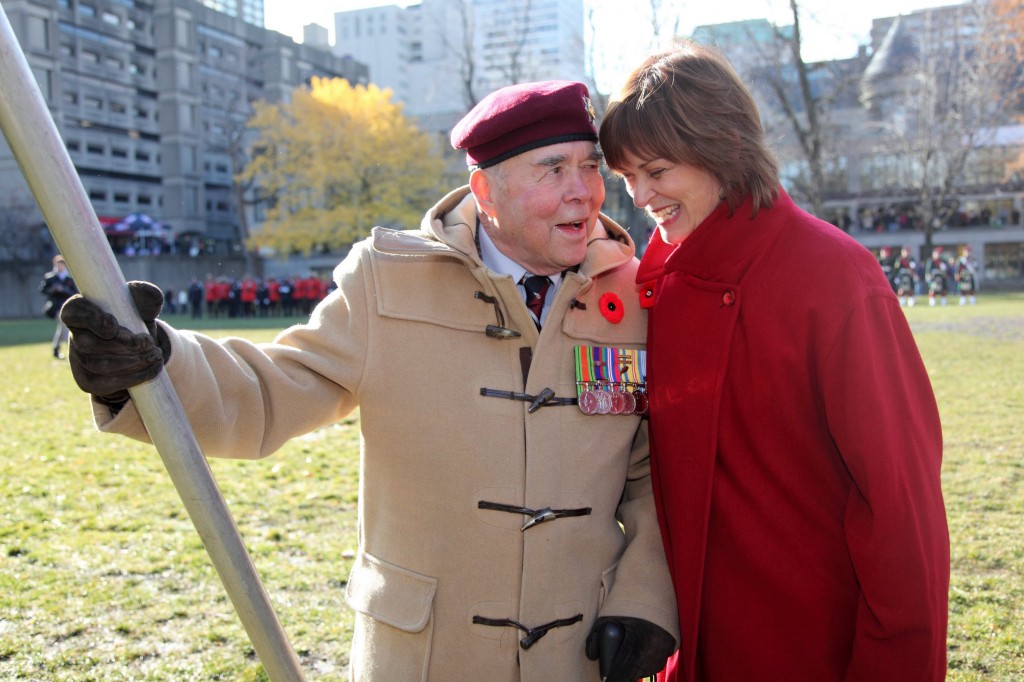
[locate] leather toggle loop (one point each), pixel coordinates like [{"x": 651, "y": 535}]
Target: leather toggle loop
[
  {"x": 536, "y": 515},
  {"x": 532, "y": 634},
  {"x": 545, "y": 398}
]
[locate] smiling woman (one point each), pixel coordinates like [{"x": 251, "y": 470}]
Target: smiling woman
[{"x": 795, "y": 436}]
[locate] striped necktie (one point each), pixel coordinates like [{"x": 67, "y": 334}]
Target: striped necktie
[{"x": 536, "y": 289}]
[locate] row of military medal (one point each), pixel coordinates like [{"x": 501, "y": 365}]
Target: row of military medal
[
  {"x": 611, "y": 380},
  {"x": 611, "y": 399}
]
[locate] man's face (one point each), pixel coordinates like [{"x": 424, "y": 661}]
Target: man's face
[{"x": 543, "y": 204}]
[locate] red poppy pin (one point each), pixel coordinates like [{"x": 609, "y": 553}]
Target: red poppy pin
[{"x": 611, "y": 307}]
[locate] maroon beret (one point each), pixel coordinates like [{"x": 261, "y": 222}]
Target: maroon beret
[{"x": 518, "y": 118}]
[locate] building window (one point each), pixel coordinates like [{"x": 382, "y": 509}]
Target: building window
[
  {"x": 188, "y": 159},
  {"x": 183, "y": 33},
  {"x": 188, "y": 117},
  {"x": 191, "y": 196},
  {"x": 1004, "y": 261},
  {"x": 185, "y": 76},
  {"x": 45, "y": 81},
  {"x": 38, "y": 33}
]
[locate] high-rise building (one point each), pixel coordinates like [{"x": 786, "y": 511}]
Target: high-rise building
[
  {"x": 379, "y": 38},
  {"x": 442, "y": 56}
]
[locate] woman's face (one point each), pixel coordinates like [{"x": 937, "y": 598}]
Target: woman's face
[{"x": 677, "y": 196}]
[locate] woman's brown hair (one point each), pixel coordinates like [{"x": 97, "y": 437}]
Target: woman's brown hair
[{"x": 688, "y": 105}]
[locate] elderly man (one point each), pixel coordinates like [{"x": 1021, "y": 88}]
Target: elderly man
[{"x": 505, "y": 533}]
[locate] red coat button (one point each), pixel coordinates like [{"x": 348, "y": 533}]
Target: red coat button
[
  {"x": 728, "y": 298},
  {"x": 647, "y": 295}
]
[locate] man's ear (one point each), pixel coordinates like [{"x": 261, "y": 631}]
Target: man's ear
[{"x": 480, "y": 185}]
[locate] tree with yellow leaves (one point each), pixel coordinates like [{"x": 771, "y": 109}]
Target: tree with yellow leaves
[{"x": 336, "y": 161}]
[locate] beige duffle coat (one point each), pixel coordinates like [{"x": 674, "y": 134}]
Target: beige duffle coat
[{"x": 403, "y": 339}]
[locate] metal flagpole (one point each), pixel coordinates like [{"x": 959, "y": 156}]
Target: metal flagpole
[{"x": 36, "y": 143}]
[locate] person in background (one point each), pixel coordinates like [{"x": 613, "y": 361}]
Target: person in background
[
  {"x": 57, "y": 286},
  {"x": 274, "y": 293},
  {"x": 182, "y": 297},
  {"x": 504, "y": 534},
  {"x": 171, "y": 301},
  {"x": 211, "y": 289},
  {"x": 906, "y": 273},
  {"x": 937, "y": 272},
  {"x": 196, "y": 295},
  {"x": 286, "y": 290},
  {"x": 965, "y": 271},
  {"x": 796, "y": 443},
  {"x": 888, "y": 265}
]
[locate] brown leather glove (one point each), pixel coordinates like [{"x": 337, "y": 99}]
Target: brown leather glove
[
  {"x": 629, "y": 648},
  {"x": 107, "y": 359}
]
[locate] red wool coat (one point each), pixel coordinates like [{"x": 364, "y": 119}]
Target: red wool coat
[{"x": 796, "y": 450}]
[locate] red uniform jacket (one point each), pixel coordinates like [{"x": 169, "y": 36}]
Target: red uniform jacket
[
  {"x": 796, "y": 450},
  {"x": 248, "y": 291}
]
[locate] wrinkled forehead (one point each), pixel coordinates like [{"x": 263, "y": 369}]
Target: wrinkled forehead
[{"x": 554, "y": 155}]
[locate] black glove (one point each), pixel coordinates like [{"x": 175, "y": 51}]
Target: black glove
[
  {"x": 629, "y": 648},
  {"x": 107, "y": 359}
]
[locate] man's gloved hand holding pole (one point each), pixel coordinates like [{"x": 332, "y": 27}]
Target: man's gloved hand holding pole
[
  {"x": 33, "y": 137},
  {"x": 106, "y": 358},
  {"x": 628, "y": 648}
]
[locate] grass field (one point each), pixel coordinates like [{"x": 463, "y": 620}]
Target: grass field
[{"x": 103, "y": 578}]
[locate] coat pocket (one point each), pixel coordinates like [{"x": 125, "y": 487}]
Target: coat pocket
[{"x": 394, "y": 624}]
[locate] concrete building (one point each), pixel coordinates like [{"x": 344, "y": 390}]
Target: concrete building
[
  {"x": 151, "y": 99},
  {"x": 249, "y": 11}
]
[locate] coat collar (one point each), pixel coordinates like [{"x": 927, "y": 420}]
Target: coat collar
[{"x": 722, "y": 247}]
